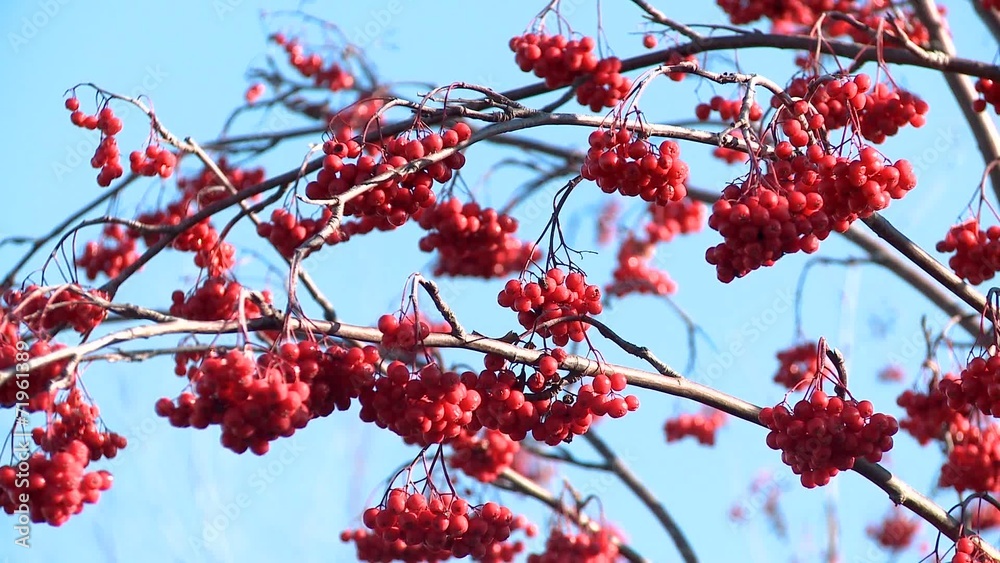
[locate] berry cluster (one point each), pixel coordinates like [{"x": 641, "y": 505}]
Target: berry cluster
[
  {"x": 822, "y": 435},
  {"x": 928, "y": 415},
  {"x": 431, "y": 408},
  {"x": 977, "y": 386},
  {"x": 216, "y": 299},
  {"x": 977, "y": 252},
  {"x": 797, "y": 365},
  {"x": 606, "y": 87},
  {"x": 876, "y": 113},
  {"x": 801, "y": 16},
  {"x": 287, "y": 232},
  {"x": 204, "y": 189},
  {"x": 254, "y": 92},
  {"x": 966, "y": 551},
  {"x": 57, "y": 486},
  {"x": 730, "y": 156},
  {"x": 674, "y": 218},
  {"x": 508, "y": 407},
  {"x": 554, "y": 296},
  {"x": 472, "y": 241},
  {"x": 585, "y": 546},
  {"x": 895, "y": 532},
  {"x": 990, "y": 92},
  {"x": 633, "y": 273},
  {"x": 891, "y": 374},
  {"x": 798, "y": 203},
  {"x": 441, "y": 525},
  {"x": 392, "y": 202},
  {"x": 111, "y": 254},
  {"x": 107, "y": 157},
  {"x": 154, "y": 161},
  {"x": 258, "y": 402},
  {"x": 728, "y": 110},
  {"x": 984, "y": 516},
  {"x": 701, "y": 426},
  {"x": 201, "y": 238},
  {"x": 40, "y": 379},
  {"x": 333, "y": 76},
  {"x": 77, "y": 422},
  {"x": 554, "y": 58},
  {"x": 619, "y": 160},
  {"x": 46, "y": 311},
  {"x": 483, "y": 456}
]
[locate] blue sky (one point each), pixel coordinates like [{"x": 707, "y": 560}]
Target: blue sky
[{"x": 179, "y": 496}]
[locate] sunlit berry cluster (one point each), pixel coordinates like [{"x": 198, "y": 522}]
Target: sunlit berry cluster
[
  {"x": 67, "y": 305},
  {"x": 797, "y": 365},
  {"x": 539, "y": 305},
  {"x": 114, "y": 251},
  {"x": 216, "y": 299},
  {"x": 822, "y": 435},
  {"x": 701, "y": 426},
  {"x": 976, "y": 252},
  {"x": 895, "y": 532},
  {"x": 554, "y": 58},
  {"x": 472, "y": 241},
  {"x": 331, "y": 76},
  {"x": 484, "y": 455},
  {"x": 107, "y": 156},
  {"x": 620, "y": 161}
]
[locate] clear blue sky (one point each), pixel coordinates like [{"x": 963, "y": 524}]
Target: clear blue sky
[{"x": 190, "y": 58}]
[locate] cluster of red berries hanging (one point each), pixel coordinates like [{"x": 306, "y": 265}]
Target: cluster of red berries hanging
[
  {"x": 484, "y": 455},
  {"x": 204, "y": 189},
  {"x": 254, "y": 92},
  {"x": 441, "y": 525},
  {"x": 77, "y": 420},
  {"x": 701, "y": 426},
  {"x": 606, "y": 87},
  {"x": 797, "y": 203},
  {"x": 966, "y": 551},
  {"x": 106, "y": 157},
  {"x": 532, "y": 405},
  {"x": 674, "y": 218},
  {"x": 38, "y": 393},
  {"x": 154, "y": 161},
  {"x": 796, "y": 365},
  {"x": 973, "y": 462},
  {"x": 801, "y": 16},
  {"x": 66, "y": 305},
  {"x": 895, "y": 532},
  {"x": 57, "y": 485},
  {"x": 332, "y": 76},
  {"x": 621, "y": 161},
  {"x": 634, "y": 274},
  {"x": 985, "y": 516},
  {"x": 216, "y": 299},
  {"x": 876, "y": 113},
  {"x": 978, "y": 385},
  {"x": 584, "y": 546},
  {"x": 110, "y": 254},
  {"x": 928, "y": 414},
  {"x": 393, "y": 201},
  {"x": 823, "y": 435},
  {"x": 554, "y": 58},
  {"x": 255, "y": 403},
  {"x": 201, "y": 239},
  {"x": 286, "y": 232},
  {"x": 431, "y": 408},
  {"x": 977, "y": 252},
  {"x": 472, "y": 241},
  {"x": 554, "y": 296},
  {"x": 989, "y": 90},
  {"x": 728, "y": 110}
]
